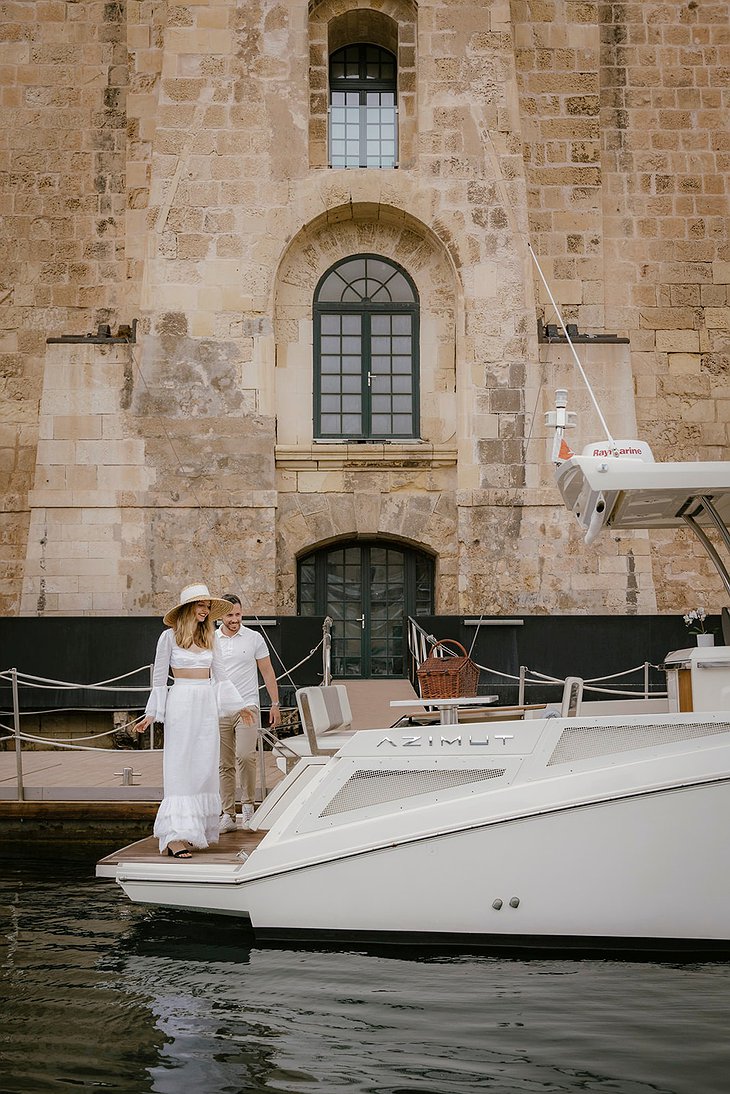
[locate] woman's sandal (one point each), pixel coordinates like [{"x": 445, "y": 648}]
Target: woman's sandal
[{"x": 181, "y": 853}]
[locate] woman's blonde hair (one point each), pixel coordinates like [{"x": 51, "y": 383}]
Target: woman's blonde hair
[{"x": 189, "y": 632}]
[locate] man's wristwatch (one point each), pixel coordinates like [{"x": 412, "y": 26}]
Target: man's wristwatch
[{"x": 276, "y": 704}]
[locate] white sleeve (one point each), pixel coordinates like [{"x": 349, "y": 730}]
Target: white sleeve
[
  {"x": 262, "y": 648},
  {"x": 158, "y": 696},
  {"x": 227, "y": 696}
]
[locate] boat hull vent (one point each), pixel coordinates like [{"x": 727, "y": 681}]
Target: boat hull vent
[
  {"x": 588, "y": 742},
  {"x": 367, "y": 788}
]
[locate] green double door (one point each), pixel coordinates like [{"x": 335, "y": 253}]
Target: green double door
[{"x": 369, "y": 589}]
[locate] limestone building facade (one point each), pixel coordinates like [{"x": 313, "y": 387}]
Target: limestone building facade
[{"x": 319, "y": 215}]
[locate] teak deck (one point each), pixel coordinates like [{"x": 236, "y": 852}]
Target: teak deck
[{"x": 226, "y": 851}]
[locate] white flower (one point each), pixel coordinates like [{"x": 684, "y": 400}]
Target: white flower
[{"x": 695, "y": 620}]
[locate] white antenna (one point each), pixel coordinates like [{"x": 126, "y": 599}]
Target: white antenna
[{"x": 609, "y": 438}]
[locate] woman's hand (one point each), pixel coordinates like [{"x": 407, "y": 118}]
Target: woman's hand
[
  {"x": 144, "y": 724},
  {"x": 248, "y": 716}
]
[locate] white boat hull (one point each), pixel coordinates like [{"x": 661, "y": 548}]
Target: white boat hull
[{"x": 625, "y": 849}]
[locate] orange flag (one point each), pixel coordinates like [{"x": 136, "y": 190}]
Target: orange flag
[{"x": 564, "y": 452}]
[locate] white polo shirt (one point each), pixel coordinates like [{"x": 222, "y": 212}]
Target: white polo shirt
[{"x": 240, "y": 654}]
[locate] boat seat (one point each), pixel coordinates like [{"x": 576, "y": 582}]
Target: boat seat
[{"x": 324, "y": 710}]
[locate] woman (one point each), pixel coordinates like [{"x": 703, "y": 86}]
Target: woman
[{"x": 190, "y": 810}]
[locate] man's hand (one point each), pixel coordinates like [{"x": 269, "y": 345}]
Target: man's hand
[
  {"x": 248, "y": 716},
  {"x": 144, "y": 724},
  {"x": 274, "y": 717}
]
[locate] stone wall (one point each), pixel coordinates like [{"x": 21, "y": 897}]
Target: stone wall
[{"x": 168, "y": 163}]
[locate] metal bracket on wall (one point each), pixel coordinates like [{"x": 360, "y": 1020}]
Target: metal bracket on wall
[
  {"x": 551, "y": 334},
  {"x": 126, "y": 335}
]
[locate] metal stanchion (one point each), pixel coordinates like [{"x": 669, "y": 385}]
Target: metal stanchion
[
  {"x": 152, "y": 727},
  {"x": 16, "y": 728},
  {"x": 327, "y": 651},
  {"x": 521, "y": 693},
  {"x": 262, "y": 760}
]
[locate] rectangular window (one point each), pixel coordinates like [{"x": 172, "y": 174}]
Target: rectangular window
[
  {"x": 363, "y": 134},
  {"x": 340, "y": 398}
]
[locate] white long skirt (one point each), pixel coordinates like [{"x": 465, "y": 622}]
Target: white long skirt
[{"x": 190, "y": 809}]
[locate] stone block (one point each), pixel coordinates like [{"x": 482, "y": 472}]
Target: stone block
[
  {"x": 684, "y": 362},
  {"x": 718, "y": 318},
  {"x": 678, "y": 341}
]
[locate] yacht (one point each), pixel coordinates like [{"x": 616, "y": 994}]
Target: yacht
[{"x": 597, "y": 828}]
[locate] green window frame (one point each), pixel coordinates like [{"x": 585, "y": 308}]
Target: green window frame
[
  {"x": 363, "y": 111},
  {"x": 366, "y": 352},
  {"x": 369, "y": 588}
]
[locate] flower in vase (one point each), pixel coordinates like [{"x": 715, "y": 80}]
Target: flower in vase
[{"x": 695, "y": 621}]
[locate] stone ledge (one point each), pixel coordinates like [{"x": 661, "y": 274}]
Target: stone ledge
[{"x": 363, "y": 457}]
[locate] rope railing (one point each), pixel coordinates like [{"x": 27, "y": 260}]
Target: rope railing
[
  {"x": 92, "y": 737},
  {"x": 45, "y": 683},
  {"x": 419, "y": 642},
  {"x": 18, "y": 679}
]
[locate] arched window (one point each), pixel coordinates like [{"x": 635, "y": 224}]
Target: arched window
[
  {"x": 363, "y": 107},
  {"x": 366, "y": 351}
]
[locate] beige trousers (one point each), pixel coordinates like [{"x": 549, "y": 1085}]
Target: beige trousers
[{"x": 238, "y": 749}]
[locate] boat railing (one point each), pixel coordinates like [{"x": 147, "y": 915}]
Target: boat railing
[
  {"x": 420, "y": 643},
  {"x": 116, "y": 686}
]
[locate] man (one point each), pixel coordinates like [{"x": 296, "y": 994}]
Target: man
[{"x": 245, "y": 654}]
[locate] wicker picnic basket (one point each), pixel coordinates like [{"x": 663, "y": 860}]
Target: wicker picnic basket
[{"x": 448, "y": 677}]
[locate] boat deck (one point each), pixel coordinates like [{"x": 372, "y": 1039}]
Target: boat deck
[{"x": 226, "y": 851}]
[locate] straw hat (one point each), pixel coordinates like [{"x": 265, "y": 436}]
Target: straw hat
[{"x": 189, "y": 595}]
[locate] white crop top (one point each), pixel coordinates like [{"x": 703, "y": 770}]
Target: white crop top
[{"x": 170, "y": 655}]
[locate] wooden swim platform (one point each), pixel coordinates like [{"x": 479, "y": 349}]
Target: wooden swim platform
[{"x": 228, "y": 850}]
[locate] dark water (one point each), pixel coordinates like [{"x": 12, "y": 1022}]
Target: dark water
[{"x": 96, "y": 994}]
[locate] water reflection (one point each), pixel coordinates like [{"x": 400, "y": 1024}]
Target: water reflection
[{"x": 98, "y": 993}]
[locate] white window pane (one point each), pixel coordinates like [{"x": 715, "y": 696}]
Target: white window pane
[
  {"x": 352, "y": 383},
  {"x": 402, "y": 384},
  {"x": 330, "y": 423},
  {"x": 402, "y": 403},
  {"x": 351, "y": 364},
  {"x": 402, "y": 424},
  {"x": 330, "y": 364},
  {"x": 352, "y": 423},
  {"x": 330, "y": 403},
  {"x": 381, "y": 424},
  {"x": 351, "y": 403},
  {"x": 400, "y": 289},
  {"x": 330, "y": 383}
]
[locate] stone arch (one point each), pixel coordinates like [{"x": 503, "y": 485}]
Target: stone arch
[
  {"x": 423, "y": 521},
  {"x": 353, "y": 535},
  {"x": 406, "y": 493},
  {"x": 354, "y": 229},
  {"x": 391, "y": 24}
]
